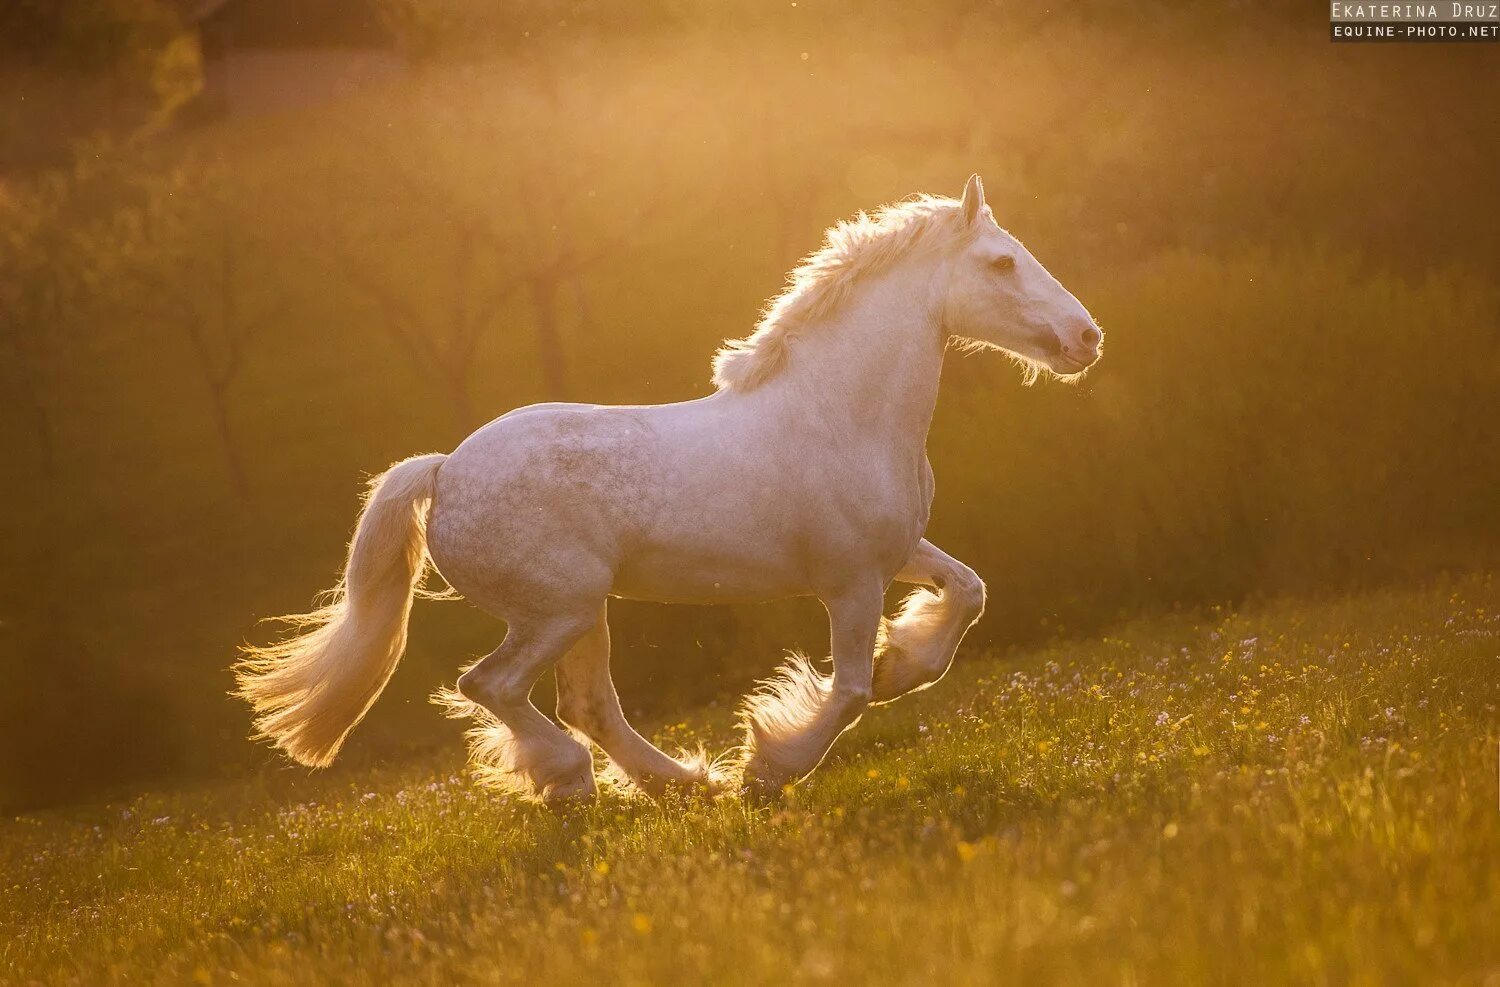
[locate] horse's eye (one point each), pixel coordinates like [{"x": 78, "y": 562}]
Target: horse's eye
[{"x": 1005, "y": 262}]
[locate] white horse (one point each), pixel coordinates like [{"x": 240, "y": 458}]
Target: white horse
[{"x": 804, "y": 474}]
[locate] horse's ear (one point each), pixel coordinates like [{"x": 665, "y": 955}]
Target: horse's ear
[{"x": 973, "y": 199}]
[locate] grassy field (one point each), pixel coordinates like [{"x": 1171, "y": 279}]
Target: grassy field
[{"x": 1302, "y": 792}]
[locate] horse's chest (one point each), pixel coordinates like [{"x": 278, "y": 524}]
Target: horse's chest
[{"x": 885, "y": 514}]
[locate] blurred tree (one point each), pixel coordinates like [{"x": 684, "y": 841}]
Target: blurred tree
[
  {"x": 439, "y": 341},
  {"x": 50, "y": 264},
  {"x": 484, "y": 269},
  {"x": 123, "y": 37},
  {"x": 72, "y": 71},
  {"x": 187, "y": 253},
  {"x": 484, "y": 259},
  {"x": 63, "y": 699}
]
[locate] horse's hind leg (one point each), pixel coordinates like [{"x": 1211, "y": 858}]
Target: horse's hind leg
[
  {"x": 917, "y": 646},
  {"x": 517, "y": 745},
  {"x": 587, "y": 701}
]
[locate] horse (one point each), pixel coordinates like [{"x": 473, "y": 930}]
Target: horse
[{"x": 804, "y": 473}]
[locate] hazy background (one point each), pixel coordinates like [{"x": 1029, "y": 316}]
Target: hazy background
[{"x": 215, "y": 321}]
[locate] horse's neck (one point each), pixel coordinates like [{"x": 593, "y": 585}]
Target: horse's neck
[{"x": 872, "y": 366}]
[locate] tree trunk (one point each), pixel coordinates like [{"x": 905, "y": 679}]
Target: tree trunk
[
  {"x": 549, "y": 338},
  {"x": 218, "y": 402},
  {"x": 238, "y": 476},
  {"x": 460, "y": 400}
]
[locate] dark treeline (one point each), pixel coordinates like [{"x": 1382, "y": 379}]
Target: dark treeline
[{"x": 210, "y": 333}]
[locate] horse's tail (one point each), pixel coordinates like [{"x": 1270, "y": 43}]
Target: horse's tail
[{"x": 309, "y": 691}]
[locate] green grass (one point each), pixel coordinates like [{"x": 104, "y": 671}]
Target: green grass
[{"x": 1303, "y": 792}]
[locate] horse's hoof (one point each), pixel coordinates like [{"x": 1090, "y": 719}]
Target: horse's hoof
[
  {"x": 761, "y": 782},
  {"x": 569, "y": 792}
]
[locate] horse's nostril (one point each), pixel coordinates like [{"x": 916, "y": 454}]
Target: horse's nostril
[{"x": 1091, "y": 336}]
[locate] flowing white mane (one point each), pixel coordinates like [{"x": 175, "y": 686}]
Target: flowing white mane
[{"x": 852, "y": 248}]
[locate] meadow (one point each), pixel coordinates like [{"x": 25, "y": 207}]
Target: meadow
[{"x": 1298, "y": 792}]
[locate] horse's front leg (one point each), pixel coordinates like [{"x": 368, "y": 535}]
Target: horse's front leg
[
  {"x": 917, "y": 645},
  {"x": 794, "y": 717}
]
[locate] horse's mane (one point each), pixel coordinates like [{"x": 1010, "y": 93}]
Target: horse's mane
[{"x": 815, "y": 287}]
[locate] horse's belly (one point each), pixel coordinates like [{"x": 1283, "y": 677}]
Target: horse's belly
[{"x": 663, "y": 575}]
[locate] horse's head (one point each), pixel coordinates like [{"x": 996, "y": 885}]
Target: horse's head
[{"x": 998, "y": 295}]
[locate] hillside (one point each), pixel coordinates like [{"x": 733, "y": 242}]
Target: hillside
[{"x": 1302, "y": 792}]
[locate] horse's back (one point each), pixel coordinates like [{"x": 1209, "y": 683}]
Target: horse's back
[{"x": 690, "y": 502}]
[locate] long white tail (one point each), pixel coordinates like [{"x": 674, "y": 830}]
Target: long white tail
[{"x": 309, "y": 691}]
